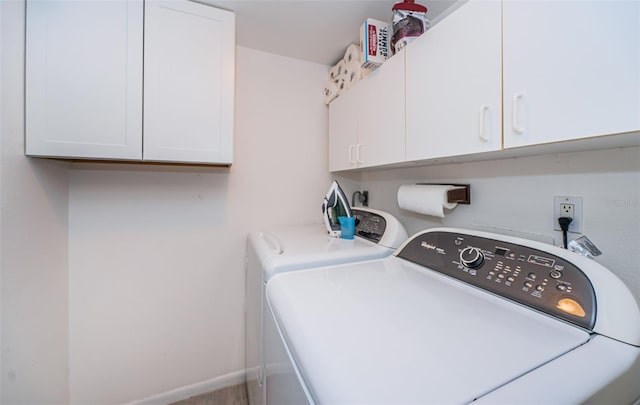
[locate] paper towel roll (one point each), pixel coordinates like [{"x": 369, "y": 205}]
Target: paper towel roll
[
  {"x": 330, "y": 91},
  {"x": 336, "y": 71},
  {"x": 425, "y": 198},
  {"x": 352, "y": 54}
]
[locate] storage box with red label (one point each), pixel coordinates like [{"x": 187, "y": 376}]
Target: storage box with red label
[{"x": 374, "y": 43}]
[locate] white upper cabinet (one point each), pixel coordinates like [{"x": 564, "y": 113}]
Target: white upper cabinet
[
  {"x": 381, "y": 135},
  {"x": 188, "y": 82},
  {"x": 454, "y": 104},
  {"x": 343, "y": 130},
  {"x": 496, "y": 75},
  {"x": 571, "y": 70},
  {"x": 84, "y": 79},
  {"x": 88, "y": 95},
  {"x": 367, "y": 122}
]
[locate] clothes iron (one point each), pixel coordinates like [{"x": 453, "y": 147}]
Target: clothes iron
[{"x": 335, "y": 205}]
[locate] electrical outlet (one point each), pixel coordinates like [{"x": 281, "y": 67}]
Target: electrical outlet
[
  {"x": 365, "y": 198},
  {"x": 567, "y": 210},
  {"x": 571, "y": 207}
]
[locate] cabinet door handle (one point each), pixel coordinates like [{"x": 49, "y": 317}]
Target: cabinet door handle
[
  {"x": 481, "y": 132},
  {"x": 351, "y": 161},
  {"x": 358, "y": 148},
  {"x": 517, "y": 98}
]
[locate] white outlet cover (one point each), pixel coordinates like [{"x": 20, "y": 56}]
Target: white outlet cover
[{"x": 576, "y": 225}]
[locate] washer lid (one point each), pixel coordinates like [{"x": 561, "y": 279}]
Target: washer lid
[{"x": 389, "y": 331}]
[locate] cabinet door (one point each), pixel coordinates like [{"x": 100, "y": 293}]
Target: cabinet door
[
  {"x": 188, "y": 83},
  {"x": 343, "y": 129},
  {"x": 84, "y": 79},
  {"x": 381, "y": 119},
  {"x": 571, "y": 70},
  {"x": 454, "y": 85}
]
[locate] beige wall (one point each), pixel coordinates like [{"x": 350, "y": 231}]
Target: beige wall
[{"x": 33, "y": 255}]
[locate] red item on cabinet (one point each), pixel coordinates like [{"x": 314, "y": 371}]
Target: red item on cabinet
[{"x": 409, "y": 22}]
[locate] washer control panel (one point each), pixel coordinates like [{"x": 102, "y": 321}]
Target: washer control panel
[
  {"x": 528, "y": 276},
  {"x": 369, "y": 225}
]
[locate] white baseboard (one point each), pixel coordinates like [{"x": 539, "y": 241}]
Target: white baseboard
[{"x": 188, "y": 391}]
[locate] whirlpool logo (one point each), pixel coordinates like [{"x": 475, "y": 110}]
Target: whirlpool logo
[{"x": 427, "y": 245}]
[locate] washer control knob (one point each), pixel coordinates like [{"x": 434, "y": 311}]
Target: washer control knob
[{"x": 471, "y": 257}]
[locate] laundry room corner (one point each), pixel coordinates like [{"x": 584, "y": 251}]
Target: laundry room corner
[
  {"x": 34, "y": 248},
  {"x": 156, "y": 253},
  {"x": 305, "y": 202}
]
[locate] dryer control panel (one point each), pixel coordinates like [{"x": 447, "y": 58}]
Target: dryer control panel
[
  {"x": 379, "y": 227},
  {"x": 520, "y": 273},
  {"x": 369, "y": 225}
]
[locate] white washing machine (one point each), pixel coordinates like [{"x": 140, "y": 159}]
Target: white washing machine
[
  {"x": 377, "y": 235},
  {"x": 456, "y": 316}
]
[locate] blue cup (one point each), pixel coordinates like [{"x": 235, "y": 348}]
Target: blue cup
[{"x": 347, "y": 227}]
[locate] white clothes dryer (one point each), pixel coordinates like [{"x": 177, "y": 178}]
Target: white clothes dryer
[
  {"x": 287, "y": 249},
  {"x": 455, "y": 316}
]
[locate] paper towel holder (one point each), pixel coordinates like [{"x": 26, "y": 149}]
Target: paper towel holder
[{"x": 460, "y": 195}]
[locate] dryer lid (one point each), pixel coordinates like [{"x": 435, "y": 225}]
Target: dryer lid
[{"x": 304, "y": 246}]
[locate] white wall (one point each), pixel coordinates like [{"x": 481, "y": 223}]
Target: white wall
[
  {"x": 33, "y": 256},
  {"x": 1, "y": 86},
  {"x": 156, "y": 277},
  {"x": 515, "y": 196}
]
